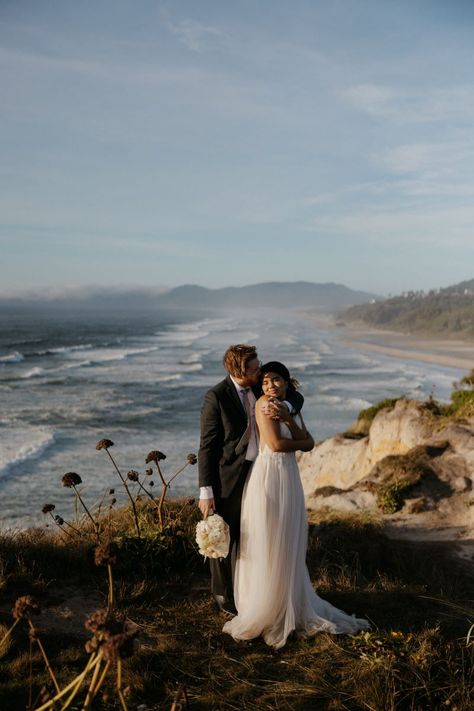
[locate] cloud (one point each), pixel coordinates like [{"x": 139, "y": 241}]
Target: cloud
[
  {"x": 430, "y": 159},
  {"x": 435, "y": 227},
  {"x": 417, "y": 105},
  {"x": 442, "y": 169},
  {"x": 196, "y": 36}
]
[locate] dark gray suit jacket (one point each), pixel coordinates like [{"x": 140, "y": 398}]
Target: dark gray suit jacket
[{"x": 223, "y": 422}]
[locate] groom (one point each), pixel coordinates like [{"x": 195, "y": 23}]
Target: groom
[{"x": 228, "y": 448}]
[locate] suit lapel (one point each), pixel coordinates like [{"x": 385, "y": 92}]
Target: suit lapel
[{"x": 235, "y": 399}]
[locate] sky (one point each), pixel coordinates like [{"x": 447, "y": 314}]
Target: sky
[{"x": 149, "y": 143}]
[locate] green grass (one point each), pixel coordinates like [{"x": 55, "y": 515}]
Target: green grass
[
  {"x": 369, "y": 413},
  {"x": 414, "y": 657}
]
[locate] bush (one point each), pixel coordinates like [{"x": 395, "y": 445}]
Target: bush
[
  {"x": 369, "y": 413},
  {"x": 462, "y": 403}
]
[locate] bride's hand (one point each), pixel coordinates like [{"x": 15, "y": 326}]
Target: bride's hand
[{"x": 275, "y": 410}]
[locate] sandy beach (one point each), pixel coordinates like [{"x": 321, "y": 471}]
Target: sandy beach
[{"x": 444, "y": 352}]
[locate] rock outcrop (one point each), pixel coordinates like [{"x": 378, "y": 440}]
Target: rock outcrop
[{"x": 412, "y": 461}]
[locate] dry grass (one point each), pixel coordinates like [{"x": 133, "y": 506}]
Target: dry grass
[{"x": 415, "y": 658}]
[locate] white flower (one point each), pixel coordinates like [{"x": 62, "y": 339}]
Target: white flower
[{"x": 213, "y": 537}]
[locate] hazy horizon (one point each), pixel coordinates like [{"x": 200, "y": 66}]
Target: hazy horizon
[{"x": 50, "y": 294}]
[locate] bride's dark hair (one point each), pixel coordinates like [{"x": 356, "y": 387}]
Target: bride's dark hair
[{"x": 274, "y": 366}]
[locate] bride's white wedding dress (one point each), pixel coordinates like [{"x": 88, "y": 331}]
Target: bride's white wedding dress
[{"x": 272, "y": 588}]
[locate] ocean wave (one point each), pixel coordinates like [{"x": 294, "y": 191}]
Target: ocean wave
[
  {"x": 101, "y": 355},
  {"x": 167, "y": 378},
  {"x": 191, "y": 358},
  {"x": 23, "y": 444},
  {"x": 181, "y": 339},
  {"x": 33, "y": 373},
  {"x": 193, "y": 367},
  {"x": 313, "y": 359},
  {"x": 15, "y": 357},
  {"x": 345, "y": 403},
  {"x": 64, "y": 349}
]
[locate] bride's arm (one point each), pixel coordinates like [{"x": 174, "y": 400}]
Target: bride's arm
[
  {"x": 297, "y": 432},
  {"x": 270, "y": 433}
]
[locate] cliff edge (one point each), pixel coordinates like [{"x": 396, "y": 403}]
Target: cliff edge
[{"x": 411, "y": 462}]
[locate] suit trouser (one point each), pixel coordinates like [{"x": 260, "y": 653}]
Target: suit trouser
[{"x": 223, "y": 569}]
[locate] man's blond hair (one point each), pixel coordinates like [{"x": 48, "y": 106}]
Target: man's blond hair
[{"x": 236, "y": 359}]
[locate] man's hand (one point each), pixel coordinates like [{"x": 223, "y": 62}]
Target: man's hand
[{"x": 206, "y": 507}]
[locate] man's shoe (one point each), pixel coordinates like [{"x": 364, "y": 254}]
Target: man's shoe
[{"x": 225, "y": 605}]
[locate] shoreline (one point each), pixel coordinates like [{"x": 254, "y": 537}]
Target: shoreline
[{"x": 456, "y": 354}]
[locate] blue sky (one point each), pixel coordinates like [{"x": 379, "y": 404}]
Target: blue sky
[{"x": 161, "y": 143}]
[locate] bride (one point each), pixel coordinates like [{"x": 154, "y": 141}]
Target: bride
[{"x": 272, "y": 588}]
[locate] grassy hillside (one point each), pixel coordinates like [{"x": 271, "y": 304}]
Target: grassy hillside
[
  {"x": 112, "y": 611},
  {"x": 448, "y": 312},
  {"x": 414, "y": 658}
]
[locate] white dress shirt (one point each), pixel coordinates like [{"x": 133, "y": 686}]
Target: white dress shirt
[{"x": 206, "y": 492}]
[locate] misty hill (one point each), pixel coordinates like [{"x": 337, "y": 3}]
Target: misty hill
[
  {"x": 447, "y": 312},
  {"x": 280, "y": 295}
]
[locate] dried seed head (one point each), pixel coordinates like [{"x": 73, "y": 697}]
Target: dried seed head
[
  {"x": 104, "y": 444},
  {"x": 154, "y": 456},
  {"x": 91, "y": 645},
  {"x": 97, "y": 621},
  {"x": 106, "y": 554},
  {"x": 151, "y": 483},
  {"x": 119, "y": 646},
  {"x": 149, "y": 471},
  {"x": 59, "y": 520},
  {"x": 112, "y": 635},
  {"x": 47, "y": 508},
  {"x": 111, "y": 492},
  {"x": 192, "y": 459},
  {"x": 71, "y": 479},
  {"x": 25, "y": 606},
  {"x": 114, "y": 501},
  {"x": 132, "y": 475}
]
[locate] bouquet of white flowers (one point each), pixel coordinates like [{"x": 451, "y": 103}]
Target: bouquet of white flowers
[{"x": 213, "y": 537}]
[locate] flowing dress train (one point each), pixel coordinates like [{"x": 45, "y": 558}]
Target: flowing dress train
[{"x": 272, "y": 588}]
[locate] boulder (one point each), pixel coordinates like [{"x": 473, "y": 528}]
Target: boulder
[{"x": 407, "y": 442}]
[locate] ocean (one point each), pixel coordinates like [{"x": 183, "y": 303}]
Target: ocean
[{"x": 68, "y": 379}]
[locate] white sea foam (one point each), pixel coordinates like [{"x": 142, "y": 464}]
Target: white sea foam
[
  {"x": 344, "y": 403},
  {"x": 33, "y": 373},
  {"x": 48, "y": 372},
  {"x": 308, "y": 359},
  {"x": 192, "y": 367},
  {"x": 192, "y": 358},
  {"x": 167, "y": 378},
  {"x": 65, "y": 349},
  {"x": 15, "y": 357},
  {"x": 104, "y": 355},
  {"x": 181, "y": 339},
  {"x": 19, "y": 444}
]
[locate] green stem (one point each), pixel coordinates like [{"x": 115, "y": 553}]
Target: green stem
[
  {"x": 45, "y": 657},
  {"x": 111, "y": 587},
  {"x": 101, "y": 681},
  {"x": 178, "y": 472},
  {"x": 8, "y": 633},
  {"x": 94, "y": 522},
  {"x": 90, "y": 690},
  {"x": 163, "y": 495},
  {"x": 76, "y": 682},
  {"x": 134, "y": 508}
]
